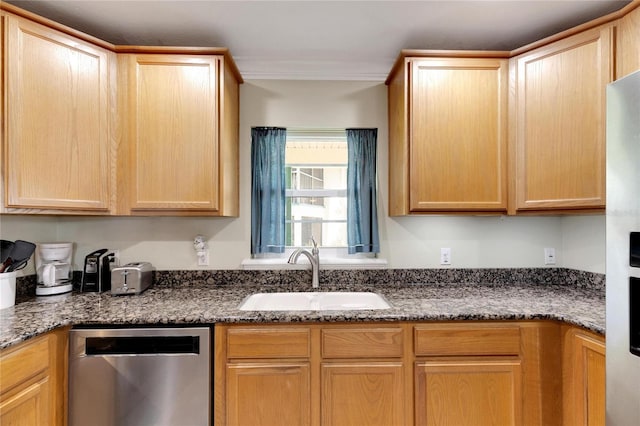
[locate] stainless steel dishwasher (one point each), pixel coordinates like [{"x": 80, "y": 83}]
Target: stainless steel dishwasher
[{"x": 140, "y": 376}]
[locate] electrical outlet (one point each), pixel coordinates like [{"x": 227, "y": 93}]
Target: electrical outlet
[
  {"x": 203, "y": 258},
  {"x": 202, "y": 250},
  {"x": 549, "y": 256},
  {"x": 445, "y": 256}
]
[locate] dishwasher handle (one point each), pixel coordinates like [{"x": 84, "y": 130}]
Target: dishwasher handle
[{"x": 141, "y": 345}]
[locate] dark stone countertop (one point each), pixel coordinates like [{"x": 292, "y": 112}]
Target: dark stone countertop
[{"x": 202, "y": 303}]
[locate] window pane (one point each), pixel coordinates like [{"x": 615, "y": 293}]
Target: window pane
[
  {"x": 322, "y": 208},
  {"x": 316, "y": 172},
  {"x": 328, "y": 177},
  {"x": 326, "y": 234},
  {"x": 308, "y": 230},
  {"x": 334, "y": 234}
]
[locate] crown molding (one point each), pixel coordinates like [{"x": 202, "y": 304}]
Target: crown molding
[{"x": 253, "y": 68}]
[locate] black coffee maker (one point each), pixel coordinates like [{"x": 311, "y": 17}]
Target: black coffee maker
[{"x": 96, "y": 274}]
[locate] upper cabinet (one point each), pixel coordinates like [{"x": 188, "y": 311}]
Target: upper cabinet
[
  {"x": 179, "y": 154},
  {"x": 450, "y": 113},
  {"x": 93, "y": 128},
  {"x": 57, "y": 151},
  {"x": 628, "y": 44},
  {"x": 558, "y": 123},
  {"x": 448, "y": 135}
]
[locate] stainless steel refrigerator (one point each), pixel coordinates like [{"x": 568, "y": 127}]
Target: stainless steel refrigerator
[{"x": 623, "y": 251}]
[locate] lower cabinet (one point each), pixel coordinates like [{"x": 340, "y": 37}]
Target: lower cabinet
[
  {"x": 424, "y": 373},
  {"x": 584, "y": 378},
  {"x": 268, "y": 394},
  {"x": 33, "y": 385},
  {"x": 468, "y": 374},
  {"x": 362, "y": 393},
  {"x": 468, "y": 392},
  {"x": 363, "y": 375},
  {"x": 329, "y": 375}
]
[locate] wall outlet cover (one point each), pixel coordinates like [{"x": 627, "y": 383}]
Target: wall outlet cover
[
  {"x": 203, "y": 258},
  {"x": 445, "y": 256},
  {"x": 549, "y": 256}
]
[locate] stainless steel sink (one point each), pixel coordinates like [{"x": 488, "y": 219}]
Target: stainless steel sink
[{"x": 315, "y": 301}]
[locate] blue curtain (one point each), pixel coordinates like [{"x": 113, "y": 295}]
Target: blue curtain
[
  {"x": 362, "y": 212},
  {"x": 267, "y": 189}
]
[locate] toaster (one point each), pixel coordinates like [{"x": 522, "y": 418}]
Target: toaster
[{"x": 132, "y": 278}]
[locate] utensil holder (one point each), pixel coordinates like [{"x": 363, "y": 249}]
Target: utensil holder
[{"x": 7, "y": 289}]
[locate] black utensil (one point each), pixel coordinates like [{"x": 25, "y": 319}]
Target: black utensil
[
  {"x": 20, "y": 253},
  {"x": 5, "y": 249},
  {"x": 16, "y": 266},
  {"x": 22, "y": 250}
]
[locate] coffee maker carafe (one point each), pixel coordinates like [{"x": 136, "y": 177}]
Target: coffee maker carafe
[{"x": 54, "y": 268}]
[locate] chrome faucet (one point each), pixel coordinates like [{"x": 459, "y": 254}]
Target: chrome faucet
[{"x": 314, "y": 259}]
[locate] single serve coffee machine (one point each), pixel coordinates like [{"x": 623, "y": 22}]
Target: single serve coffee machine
[{"x": 96, "y": 274}]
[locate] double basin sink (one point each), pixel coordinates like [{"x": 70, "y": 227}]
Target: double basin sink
[{"x": 314, "y": 301}]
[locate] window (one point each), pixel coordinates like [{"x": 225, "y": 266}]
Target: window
[
  {"x": 316, "y": 188},
  {"x": 313, "y": 183}
]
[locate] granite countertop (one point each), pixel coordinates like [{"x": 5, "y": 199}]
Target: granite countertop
[{"x": 208, "y": 304}]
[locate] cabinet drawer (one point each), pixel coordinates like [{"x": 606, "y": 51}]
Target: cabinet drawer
[
  {"x": 23, "y": 363},
  {"x": 362, "y": 342},
  {"x": 268, "y": 342},
  {"x": 463, "y": 339}
]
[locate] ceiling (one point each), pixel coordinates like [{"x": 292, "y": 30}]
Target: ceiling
[{"x": 321, "y": 40}]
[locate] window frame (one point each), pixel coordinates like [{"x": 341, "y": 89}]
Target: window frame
[{"x": 330, "y": 257}]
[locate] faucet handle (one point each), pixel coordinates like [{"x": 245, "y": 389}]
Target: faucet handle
[{"x": 315, "y": 245}]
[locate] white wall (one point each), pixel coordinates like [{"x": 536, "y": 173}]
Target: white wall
[
  {"x": 407, "y": 242},
  {"x": 583, "y": 242}
]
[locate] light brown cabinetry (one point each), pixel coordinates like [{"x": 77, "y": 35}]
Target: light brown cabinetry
[
  {"x": 476, "y": 391},
  {"x": 628, "y": 44},
  {"x": 93, "y": 128},
  {"x": 468, "y": 374},
  {"x": 366, "y": 393},
  {"x": 317, "y": 375},
  {"x": 465, "y": 372},
  {"x": 33, "y": 381},
  {"x": 57, "y": 148},
  {"x": 363, "y": 376},
  {"x": 558, "y": 123},
  {"x": 271, "y": 393},
  {"x": 179, "y": 154},
  {"x": 267, "y": 375},
  {"x": 447, "y": 135},
  {"x": 584, "y": 378}
]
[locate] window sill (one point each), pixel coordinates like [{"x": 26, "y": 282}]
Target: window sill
[{"x": 303, "y": 263}]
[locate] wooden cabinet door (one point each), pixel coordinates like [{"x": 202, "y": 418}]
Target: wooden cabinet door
[
  {"x": 262, "y": 394},
  {"x": 628, "y": 44},
  {"x": 458, "y": 135},
  {"x": 172, "y": 115},
  {"x": 56, "y": 121},
  {"x": 33, "y": 388},
  {"x": 559, "y": 123},
  {"x": 362, "y": 393},
  {"x": 584, "y": 379},
  {"x": 473, "y": 392},
  {"x": 28, "y": 407}
]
